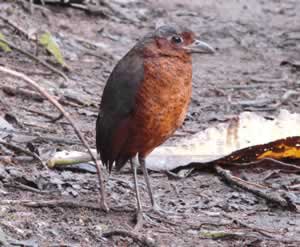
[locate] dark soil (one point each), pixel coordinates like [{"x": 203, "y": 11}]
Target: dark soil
[{"x": 257, "y": 42}]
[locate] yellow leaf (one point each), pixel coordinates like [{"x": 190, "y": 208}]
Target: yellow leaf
[
  {"x": 3, "y": 45},
  {"x": 49, "y": 43}
]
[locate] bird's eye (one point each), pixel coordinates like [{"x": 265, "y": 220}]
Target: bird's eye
[{"x": 177, "y": 39}]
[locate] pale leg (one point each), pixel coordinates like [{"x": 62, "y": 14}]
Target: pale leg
[
  {"x": 147, "y": 179},
  {"x": 139, "y": 213}
]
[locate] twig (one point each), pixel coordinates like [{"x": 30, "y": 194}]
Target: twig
[
  {"x": 41, "y": 113},
  {"x": 249, "y": 86},
  {"x": 13, "y": 228},
  {"x": 237, "y": 179},
  {"x": 294, "y": 187},
  {"x": 33, "y": 57},
  {"x": 139, "y": 239},
  {"x": 15, "y": 26},
  {"x": 64, "y": 204},
  {"x": 269, "y": 80},
  {"x": 25, "y": 187},
  {"x": 38, "y": 137},
  {"x": 271, "y": 197},
  {"x": 12, "y": 91},
  {"x": 70, "y": 119},
  {"x": 199, "y": 227},
  {"x": 254, "y": 228},
  {"x": 225, "y": 234},
  {"x": 275, "y": 164},
  {"x": 25, "y": 151},
  {"x": 62, "y": 2},
  {"x": 32, "y": 95},
  {"x": 285, "y": 97},
  {"x": 179, "y": 175},
  {"x": 254, "y": 103},
  {"x": 291, "y": 62},
  {"x": 91, "y": 9},
  {"x": 51, "y": 204}
]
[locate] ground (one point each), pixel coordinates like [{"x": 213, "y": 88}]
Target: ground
[{"x": 257, "y": 44}]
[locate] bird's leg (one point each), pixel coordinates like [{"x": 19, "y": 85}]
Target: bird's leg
[
  {"x": 142, "y": 162},
  {"x": 155, "y": 206},
  {"x": 139, "y": 213}
]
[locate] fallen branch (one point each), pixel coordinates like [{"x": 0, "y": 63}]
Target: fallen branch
[
  {"x": 35, "y": 85},
  {"x": 43, "y": 114},
  {"x": 199, "y": 227},
  {"x": 25, "y": 151},
  {"x": 272, "y": 163},
  {"x": 227, "y": 234},
  {"x": 50, "y": 204},
  {"x": 43, "y": 138},
  {"x": 139, "y": 239},
  {"x": 264, "y": 232},
  {"x": 12, "y": 91},
  {"x": 270, "y": 197},
  {"x": 64, "y": 204},
  {"x": 269, "y": 80},
  {"x": 21, "y": 186}
]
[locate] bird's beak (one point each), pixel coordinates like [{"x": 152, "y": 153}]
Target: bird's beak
[{"x": 199, "y": 46}]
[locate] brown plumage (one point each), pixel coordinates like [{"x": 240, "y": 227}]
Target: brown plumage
[{"x": 146, "y": 97}]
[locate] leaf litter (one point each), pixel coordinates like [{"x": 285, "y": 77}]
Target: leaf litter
[{"x": 197, "y": 199}]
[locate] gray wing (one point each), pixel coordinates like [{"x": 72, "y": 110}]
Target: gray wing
[{"x": 117, "y": 104}]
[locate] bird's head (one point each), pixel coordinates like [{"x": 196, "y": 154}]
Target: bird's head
[{"x": 173, "y": 40}]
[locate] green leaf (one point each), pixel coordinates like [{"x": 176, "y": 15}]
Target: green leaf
[
  {"x": 3, "y": 45},
  {"x": 49, "y": 43}
]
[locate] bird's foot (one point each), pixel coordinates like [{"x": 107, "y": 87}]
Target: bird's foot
[
  {"x": 157, "y": 215},
  {"x": 104, "y": 206},
  {"x": 159, "y": 211},
  {"x": 154, "y": 216},
  {"x": 139, "y": 220},
  {"x": 145, "y": 217}
]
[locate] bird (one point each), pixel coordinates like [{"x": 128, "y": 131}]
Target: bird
[{"x": 145, "y": 100}]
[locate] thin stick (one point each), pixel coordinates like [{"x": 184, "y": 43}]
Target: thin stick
[
  {"x": 50, "y": 204},
  {"x": 47, "y": 65},
  {"x": 43, "y": 138},
  {"x": 21, "y": 186},
  {"x": 42, "y": 91},
  {"x": 265, "y": 232},
  {"x": 40, "y": 113},
  {"x": 20, "y": 149},
  {"x": 33, "y": 96},
  {"x": 64, "y": 204},
  {"x": 15, "y": 26},
  {"x": 139, "y": 239},
  {"x": 271, "y": 197},
  {"x": 249, "y": 183},
  {"x": 275, "y": 164}
]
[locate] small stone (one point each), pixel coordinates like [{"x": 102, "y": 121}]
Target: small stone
[
  {"x": 3, "y": 173},
  {"x": 235, "y": 195}
]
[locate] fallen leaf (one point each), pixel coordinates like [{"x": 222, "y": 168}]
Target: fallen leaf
[
  {"x": 3, "y": 44},
  {"x": 246, "y": 138},
  {"x": 49, "y": 43}
]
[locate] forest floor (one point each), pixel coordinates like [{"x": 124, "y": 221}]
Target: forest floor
[{"x": 254, "y": 68}]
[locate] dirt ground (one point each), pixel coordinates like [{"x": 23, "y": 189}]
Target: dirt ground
[{"x": 255, "y": 69}]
